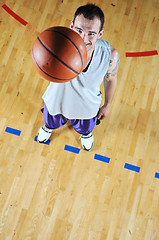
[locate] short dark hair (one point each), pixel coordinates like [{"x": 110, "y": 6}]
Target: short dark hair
[{"x": 90, "y": 11}]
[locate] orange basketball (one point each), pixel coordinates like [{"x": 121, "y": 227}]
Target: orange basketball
[{"x": 59, "y": 54}]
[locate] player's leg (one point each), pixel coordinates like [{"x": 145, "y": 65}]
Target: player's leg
[
  {"x": 85, "y": 127},
  {"x": 51, "y": 122}
]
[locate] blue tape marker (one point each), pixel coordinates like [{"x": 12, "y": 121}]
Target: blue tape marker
[
  {"x": 13, "y": 131},
  {"x": 156, "y": 175},
  {"x": 101, "y": 158},
  {"x": 132, "y": 167},
  {"x": 47, "y": 143},
  {"x": 72, "y": 149}
]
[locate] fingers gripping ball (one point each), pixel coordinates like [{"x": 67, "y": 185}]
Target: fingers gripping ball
[{"x": 59, "y": 54}]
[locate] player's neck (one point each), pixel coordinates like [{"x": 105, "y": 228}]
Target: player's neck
[
  {"x": 89, "y": 59},
  {"x": 89, "y": 54}
]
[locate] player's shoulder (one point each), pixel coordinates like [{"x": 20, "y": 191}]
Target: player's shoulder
[
  {"x": 114, "y": 53},
  {"x": 102, "y": 43}
]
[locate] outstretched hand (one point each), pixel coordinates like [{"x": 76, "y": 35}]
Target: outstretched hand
[{"x": 103, "y": 112}]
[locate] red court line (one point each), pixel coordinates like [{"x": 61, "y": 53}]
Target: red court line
[
  {"x": 142, "y": 54},
  {"x": 8, "y": 10}
]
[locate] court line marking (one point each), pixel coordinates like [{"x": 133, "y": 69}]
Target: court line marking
[
  {"x": 101, "y": 158},
  {"x": 67, "y": 147},
  {"x": 72, "y": 149},
  {"x": 13, "y": 131},
  {"x": 14, "y": 15},
  {"x": 141, "y": 54},
  {"x": 132, "y": 167},
  {"x": 77, "y": 150}
]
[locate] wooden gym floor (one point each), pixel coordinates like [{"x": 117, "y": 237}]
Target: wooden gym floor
[{"x": 48, "y": 193}]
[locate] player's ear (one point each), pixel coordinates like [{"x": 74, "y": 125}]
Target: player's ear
[
  {"x": 101, "y": 33},
  {"x": 71, "y": 24}
]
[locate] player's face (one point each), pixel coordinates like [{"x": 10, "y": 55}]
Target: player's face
[{"x": 88, "y": 30}]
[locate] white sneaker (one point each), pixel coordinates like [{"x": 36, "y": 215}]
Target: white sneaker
[
  {"x": 44, "y": 134},
  {"x": 87, "y": 141}
]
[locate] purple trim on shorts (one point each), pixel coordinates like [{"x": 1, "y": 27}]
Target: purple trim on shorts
[
  {"x": 53, "y": 122},
  {"x": 82, "y": 126}
]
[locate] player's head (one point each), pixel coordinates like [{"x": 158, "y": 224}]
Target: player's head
[
  {"x": 88, "y": 23},
  {"x": 90, "y": 11}
]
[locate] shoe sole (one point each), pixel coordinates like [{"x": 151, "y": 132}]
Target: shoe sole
[
  {"x": 86, "y": 148},
  {"x": 44, "y": 141},
  {"x": 85, "y": 137}
]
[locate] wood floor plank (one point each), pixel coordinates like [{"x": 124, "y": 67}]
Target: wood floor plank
[{"x": 49, "y": 193}]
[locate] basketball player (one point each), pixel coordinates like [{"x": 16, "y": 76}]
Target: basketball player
[{"x": 79, "y": 100}]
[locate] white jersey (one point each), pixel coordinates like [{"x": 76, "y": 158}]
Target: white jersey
[{"x": 81, "y": 97}]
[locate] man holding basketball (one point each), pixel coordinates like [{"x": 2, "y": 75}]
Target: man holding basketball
[{"x": 79, "y": 100}]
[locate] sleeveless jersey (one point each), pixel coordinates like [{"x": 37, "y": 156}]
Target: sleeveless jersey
[{"x": 81, "y": 97}]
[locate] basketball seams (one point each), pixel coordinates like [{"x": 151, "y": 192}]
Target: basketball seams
[
  {"x": 60, "y": 79},
  {"x": 56, "y": 56},
  {"x": 52, "y": 30},
  {"x": 59, "y": 54}
]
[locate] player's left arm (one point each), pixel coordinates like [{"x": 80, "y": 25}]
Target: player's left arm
[{"x": 110, "y": 83}]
